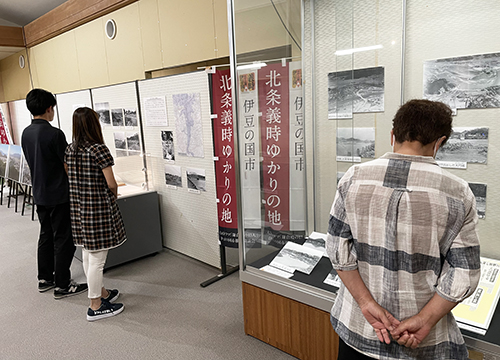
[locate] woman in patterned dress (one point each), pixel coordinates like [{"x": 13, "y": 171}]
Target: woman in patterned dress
[{"x": 96, "y": 221}]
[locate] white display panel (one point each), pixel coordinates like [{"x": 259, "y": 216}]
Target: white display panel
[
  {"x": 189, "y": 219},
  {"x": 67, "y": 103},
  {"x": 122, "y": 140},
  {"x": 20, "y": 118}
]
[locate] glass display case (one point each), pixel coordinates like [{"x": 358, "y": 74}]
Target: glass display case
[{"x": 317, "y": 85}]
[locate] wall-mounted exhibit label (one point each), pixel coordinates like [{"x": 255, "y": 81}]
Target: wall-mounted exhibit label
[
  {"x": 155, "y": 111},
  {"x": 452, "y": 164},
  {"x": 356, "y": 159}
]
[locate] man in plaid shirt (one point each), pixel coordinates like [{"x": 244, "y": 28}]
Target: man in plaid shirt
[{"x": 402, "y": 236}]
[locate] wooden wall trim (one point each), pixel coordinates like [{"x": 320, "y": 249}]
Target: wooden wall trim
[
  {"x": 11, "y": 36},
  {"x": 68, "y": 16}
]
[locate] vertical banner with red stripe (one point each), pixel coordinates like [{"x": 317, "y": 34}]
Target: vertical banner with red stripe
[
  {"x": 297, "y": 165},
  {"x": 4, "y": 130},
  {"x": 275, "y": 143},
  {"x": 224, "y": 155}
]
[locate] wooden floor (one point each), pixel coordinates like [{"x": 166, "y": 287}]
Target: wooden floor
[{"x": 298, "y": 329}]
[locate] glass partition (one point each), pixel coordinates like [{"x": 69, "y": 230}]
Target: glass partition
[
  {"x": 318, "y": 83},
  {"x": 270, "y": 126}
]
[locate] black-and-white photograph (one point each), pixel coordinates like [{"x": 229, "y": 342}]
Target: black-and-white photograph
[
  {"x": 104, "y": 115},
  {"x": 333, "y": 279},
  {"x": 121, "y": 153},
  {"x": 173, "y": 175},
  {"x": 196, "y": 179},
  {"x": 358, "y": 142},
  {"x": 25, "y": 173},
  {"x": 120, "y": 140},
  {"x": 167, "y": 144},
  {"x": 479, "y": 191},
  {"x": 130, "y": 117},
  {"x": 117, "y": 117},
  {"x": 467, "y": 82},
  {"x": 4, "y": 156},
  {"x": 133, "y": 141},
  {"x": 316, "y": 244},
  {"x": 14, "y": 162},
  {"x": 296, "y": 257},
  {"x": 355, "y": 91},
  {"x": 466, "y": 144}
]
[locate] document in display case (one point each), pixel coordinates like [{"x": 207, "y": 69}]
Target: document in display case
[{"x": 475, "y": 312}]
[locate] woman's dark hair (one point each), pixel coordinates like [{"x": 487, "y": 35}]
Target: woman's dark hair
[
  {"x": 86, "y": 127},
  {"x": 39, "y": 100},
  {"x": 424, "y": 121}
]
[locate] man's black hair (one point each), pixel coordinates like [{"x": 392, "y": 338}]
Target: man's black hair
[{"x": 39, "y": 100}]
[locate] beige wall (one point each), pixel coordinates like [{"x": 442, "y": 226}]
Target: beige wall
[
  {"x": 14, "y": 81},
  {"x": 151, "y": 35},
  {"x": 259, "y": 27}
]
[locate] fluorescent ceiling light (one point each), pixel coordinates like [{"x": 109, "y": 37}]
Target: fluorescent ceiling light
[
  {"x": 350, "y": 51},
  {"x": 256, "y": 65}
]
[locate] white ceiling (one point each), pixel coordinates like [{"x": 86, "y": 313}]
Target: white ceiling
[{"x": 20, "y": 13}]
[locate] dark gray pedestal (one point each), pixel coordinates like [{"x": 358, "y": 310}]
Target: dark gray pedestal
[{"x": 141, "y": 216}]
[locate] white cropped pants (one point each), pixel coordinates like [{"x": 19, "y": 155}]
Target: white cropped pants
[{"x": 93, "y": 266}]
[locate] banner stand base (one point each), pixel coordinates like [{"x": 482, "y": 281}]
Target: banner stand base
[{"x": 220, "y": 276}]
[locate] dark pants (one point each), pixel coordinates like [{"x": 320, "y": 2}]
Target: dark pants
[
  {"x": 55, "y": 245},
  {"x": 348, "y": 353}
]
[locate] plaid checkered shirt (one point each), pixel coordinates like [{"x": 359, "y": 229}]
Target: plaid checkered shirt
[
  {"x": 409, "y": 227},
  {"x": 96, "y": 221}
]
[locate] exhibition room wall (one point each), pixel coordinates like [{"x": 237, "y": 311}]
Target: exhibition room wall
[
  {"x": 433, "y": 30},
  {"x": 157, "y": 38},
  {"x": 151, "y": 35}
]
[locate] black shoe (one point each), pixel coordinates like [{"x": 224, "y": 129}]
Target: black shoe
[
  {"x": 72, "y": 289},
  {"x": 106, "y": 310},
  {"x": 112, "y": 295},
  {"x": 44, "y": 285}
]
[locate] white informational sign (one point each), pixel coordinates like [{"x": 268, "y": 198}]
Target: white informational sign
[
  {"x": 155, "y": 111},
  {"x": 276, "y": 271},
  {"x": 475, "y": 312},
  {"x": 452, "y": 164},
  {"x": 356, "y": 159},
  {"x": 296, "y": 257},
  {"x": 249, "y": 148},
  {"x": 297, "y": 164},
  {"x": 333, "y": 279}
]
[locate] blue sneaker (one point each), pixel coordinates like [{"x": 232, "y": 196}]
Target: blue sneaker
[
  {"x": 112, "y": 295},
  {"x": 106, "y": 310}
]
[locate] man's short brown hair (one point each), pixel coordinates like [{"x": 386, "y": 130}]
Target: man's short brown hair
[{"x": 424, "y": 121}]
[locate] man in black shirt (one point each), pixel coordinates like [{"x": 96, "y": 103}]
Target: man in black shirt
[{"x": 43, "y": 147}]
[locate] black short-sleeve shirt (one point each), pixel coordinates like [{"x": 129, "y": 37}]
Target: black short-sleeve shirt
[{"x": 43, "y": 146}]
